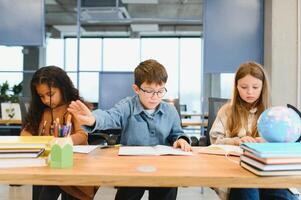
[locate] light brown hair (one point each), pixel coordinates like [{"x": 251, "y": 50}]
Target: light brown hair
[
  {"x": 239, "y": 109},
  {"x": 150, "y": 71}
]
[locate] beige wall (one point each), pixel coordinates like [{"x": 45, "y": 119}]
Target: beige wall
[{"x": 281, "y": 57}]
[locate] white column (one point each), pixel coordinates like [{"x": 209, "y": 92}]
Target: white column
[{"x": 281, "y": 50}]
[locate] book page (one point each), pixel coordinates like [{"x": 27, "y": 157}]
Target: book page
[
  {"x": 222, "y": 149},
  {"x": 84, "y": 148},
  {"x": 149, "y": 150},
  {"x": 168, "y": 150},
  {"x": 136, "y": 151}
]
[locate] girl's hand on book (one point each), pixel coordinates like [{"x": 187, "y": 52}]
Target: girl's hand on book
[
  {"x": 259, "y": 139},
  {"x": 82, "y": 113},
  {"x": 182, "y": 144},
  {"x": 247, "y": 139}
]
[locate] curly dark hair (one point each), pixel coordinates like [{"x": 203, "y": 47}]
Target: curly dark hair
[{"x": 53, "y": 77}]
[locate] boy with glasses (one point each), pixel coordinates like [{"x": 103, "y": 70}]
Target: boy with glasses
[{"x": 145, "y": 121}]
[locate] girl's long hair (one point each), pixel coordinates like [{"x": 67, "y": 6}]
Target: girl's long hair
[
  {"x": 238, "y": 111},
  {"x": 53, "y": 77}
]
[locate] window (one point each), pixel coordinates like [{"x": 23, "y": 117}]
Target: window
[
  {"x": 165, "y": 51},
  {"x": 190, "y": 73},
  {"x": 71, "y": 54},
  {"x": 6, "y": 61},
  {"x": 227, "y": 80},
  {"x": 121, "y": 54},
  {"x": 88, "y": 86},
  {"x": 180, "y": 56},
  {"x": 11, "y": 68},
  {"x": 55, "y": 52},
  {"x": 90, "y": 54}
]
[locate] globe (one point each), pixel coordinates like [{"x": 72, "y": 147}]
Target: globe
[{"x": 279, "y": 124}]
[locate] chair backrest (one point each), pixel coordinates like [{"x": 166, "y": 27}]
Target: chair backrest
[
  {"x": 24, "y": 105},
  {"x": 214, "y": 105}
]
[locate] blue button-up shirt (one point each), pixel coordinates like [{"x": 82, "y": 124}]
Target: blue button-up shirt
[{"x": 138, "y": 126}]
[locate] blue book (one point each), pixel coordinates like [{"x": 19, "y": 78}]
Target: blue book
[{"x": 273, "y": 150}]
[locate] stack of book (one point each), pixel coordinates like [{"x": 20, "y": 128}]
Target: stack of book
[
  {"x": 24, "y": 151},
  {"x": 272, "y": 159}
]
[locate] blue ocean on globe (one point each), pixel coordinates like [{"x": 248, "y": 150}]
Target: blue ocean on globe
[{"x": 279, "y": 124}]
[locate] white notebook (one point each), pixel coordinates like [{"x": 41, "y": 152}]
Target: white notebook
[{"x": 23, "y": 162}]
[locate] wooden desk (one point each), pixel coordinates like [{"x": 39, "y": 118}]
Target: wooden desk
[
  {"x": 11, "y": 127},
  {"x": 187, "y": 114},
  {"x": 106, "y": 168},
  {"x": 193, "y": 122},
  {"x": 10, "y": 121}
]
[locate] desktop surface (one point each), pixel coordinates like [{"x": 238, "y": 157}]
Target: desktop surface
[{"x": 105, "y": 168}]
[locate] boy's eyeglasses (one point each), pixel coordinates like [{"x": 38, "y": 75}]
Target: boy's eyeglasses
[{"x": 151, "y": 93}]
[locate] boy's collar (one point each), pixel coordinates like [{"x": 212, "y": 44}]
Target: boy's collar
[{"x": 138, "y": 108}]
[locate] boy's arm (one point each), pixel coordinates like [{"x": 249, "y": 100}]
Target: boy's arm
[
  {"x": 98, "y": 119},
  {"x": 180, "y": 140},
  {"x": 110, "y": 119},
  {"x": 79, "y": 136},
  {"x": 177, "y": 131}
]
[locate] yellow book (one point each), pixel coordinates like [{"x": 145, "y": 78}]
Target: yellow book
[{"x": 25, "y": 142}]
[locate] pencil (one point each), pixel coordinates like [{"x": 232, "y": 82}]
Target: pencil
[
  {"x": 58, "y": 127},
  {"x": 68, "y": 121},
  {"x": 68, "y": 125},
  {"x": 43, "y": 129}
]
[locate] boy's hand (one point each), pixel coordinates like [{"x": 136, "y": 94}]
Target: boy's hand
[
  {"x": 182, "y": 144},
  {"x": 82, "y": 113}
]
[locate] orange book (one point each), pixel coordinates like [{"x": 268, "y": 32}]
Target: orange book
[{"x": 274, "y": 160}]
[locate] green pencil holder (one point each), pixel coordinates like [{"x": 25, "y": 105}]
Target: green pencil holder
[{"x": 61, "y": 155}]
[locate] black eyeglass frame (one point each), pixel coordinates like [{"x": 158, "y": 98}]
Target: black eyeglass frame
[{"x": 152, "y": 93}]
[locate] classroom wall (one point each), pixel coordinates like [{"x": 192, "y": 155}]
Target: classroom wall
[
  {"x": 233, "y": 34},
  {"x": 281, "y": 50}
]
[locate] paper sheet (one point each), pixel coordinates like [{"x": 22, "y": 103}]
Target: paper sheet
[{"x": 84, "y": 148}]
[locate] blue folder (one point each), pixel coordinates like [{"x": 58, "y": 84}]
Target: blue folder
[{"x": 273, "y": 150}]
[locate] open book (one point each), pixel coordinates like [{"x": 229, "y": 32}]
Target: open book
[
  {"x": 222, "y": 149},
  {"x": 20, "y": 153},
  {"x": 84, "y": 148},
  {"x": 151, "y": 151}
]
